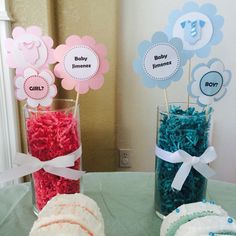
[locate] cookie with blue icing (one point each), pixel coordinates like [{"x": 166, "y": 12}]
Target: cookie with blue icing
[
  {"x": 187, "y": 213},
  {"x": 208, "y": 226}
]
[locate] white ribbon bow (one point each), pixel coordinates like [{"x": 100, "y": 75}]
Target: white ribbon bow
[
  {"x": 198, "y": 163},
  {"x": 57, "y": 166}
]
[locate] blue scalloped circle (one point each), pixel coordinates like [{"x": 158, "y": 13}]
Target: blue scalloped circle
[
  {"x": 138, "y": 65},
  {"x": 210, "y": 11},
  {"x": 195, "y": 81}
]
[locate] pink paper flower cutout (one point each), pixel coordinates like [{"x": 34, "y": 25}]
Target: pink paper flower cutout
[
  {"x": 28, "y": 48},
  {"x": 36, "y": 88},
  {"x": 81, "y": 64}
]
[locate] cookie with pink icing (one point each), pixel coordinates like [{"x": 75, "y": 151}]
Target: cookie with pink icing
[{"x": 69, "y": 215}]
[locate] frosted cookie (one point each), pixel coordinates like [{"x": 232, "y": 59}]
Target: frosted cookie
[
  {"x": 78, "y": 200},
  {"x": 69, "y": 215},
  {"x": 188, "y": 212},
  {"x": 208, "y": 226}
]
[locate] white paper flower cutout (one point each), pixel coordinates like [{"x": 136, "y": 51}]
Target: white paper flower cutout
[
  {"x": 209, "y": 82},
  {"x": 36, "y": 88}
]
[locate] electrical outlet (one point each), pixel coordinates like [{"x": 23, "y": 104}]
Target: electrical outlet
[{"x": 125, "y": 158}]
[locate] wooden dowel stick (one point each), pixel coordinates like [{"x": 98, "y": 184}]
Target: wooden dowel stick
[
  {"x": 189, "y": 78},
  {"x": 76, "y": 104},
  {"x": 166, "y": 100}
]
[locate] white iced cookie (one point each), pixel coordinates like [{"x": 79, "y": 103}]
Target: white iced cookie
[
  {"x": 208, "y": 226},
  {"x": 69, "y": 215},
  {"x": 78, "y": 200},
  {"x": 188, "y": 212}
]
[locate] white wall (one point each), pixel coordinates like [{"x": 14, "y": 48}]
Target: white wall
[
  {"x": 137, "y": 105},
  {"x": 9, "y": 138}
]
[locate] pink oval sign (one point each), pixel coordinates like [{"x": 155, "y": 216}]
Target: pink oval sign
[{"x": 36, "y": 87}]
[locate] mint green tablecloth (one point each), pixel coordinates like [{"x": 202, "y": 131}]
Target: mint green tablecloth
[{"x": 125, "y": 199}]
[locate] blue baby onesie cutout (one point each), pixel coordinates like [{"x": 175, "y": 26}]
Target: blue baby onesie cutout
[{"x": 193, "y": 30}]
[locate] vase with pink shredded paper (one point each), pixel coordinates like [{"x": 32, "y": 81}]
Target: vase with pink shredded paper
[{"x": 52, "y": 133}]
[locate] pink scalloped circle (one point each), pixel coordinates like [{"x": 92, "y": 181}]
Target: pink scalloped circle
[
  {"x": 29, "y": 48},
  {"x": 83, "y": 81}
]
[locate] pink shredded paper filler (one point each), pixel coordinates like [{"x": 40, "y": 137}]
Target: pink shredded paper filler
[{"x": 50, "y": 135}]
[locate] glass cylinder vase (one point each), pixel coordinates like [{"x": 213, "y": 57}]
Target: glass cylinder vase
[
  {"x": 180, "y": 127},
  {"x": 52, "y": 132}
]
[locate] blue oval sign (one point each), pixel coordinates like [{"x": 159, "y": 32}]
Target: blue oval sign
[{"x": 211, "y": 83}]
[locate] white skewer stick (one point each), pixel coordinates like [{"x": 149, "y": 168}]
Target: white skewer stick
[
  {"x": 189, "y": 78},
  {"x": 76, "y": 104},
  {"x": 166, "y": 100}
]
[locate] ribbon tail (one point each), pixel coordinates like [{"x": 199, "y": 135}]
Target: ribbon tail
[
  {"x": 64, "y": 172},
  {"x": 18, "y": 172},
  {"x": 65, "y": 161},
  {"x": 174, "y": 157},
  {"x": 181, "y": 176},
  {"x": 22, "y": 159},
  {"x": 209, "y": 155},
  {"x": 204, "y": 170}
]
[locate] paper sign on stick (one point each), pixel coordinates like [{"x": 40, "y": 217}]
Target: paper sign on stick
[
  {"x": 81, "y": 64},
  {"x": 209, "y": 82},
  {"x": 197, "y": 26},
  {"x": 160, "y": 61},
  {"x": 36, "y": 88},
  {"x": 28, "y": 48}
]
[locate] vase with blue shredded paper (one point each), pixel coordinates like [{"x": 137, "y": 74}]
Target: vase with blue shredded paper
[{"x": 181, "y": 128}]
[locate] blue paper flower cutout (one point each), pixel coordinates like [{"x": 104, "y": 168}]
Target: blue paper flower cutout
[
  {"x": 209, "y": 82},
  {"x": 198, "y": 26},
  {"x": 160, "y": 61}
]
